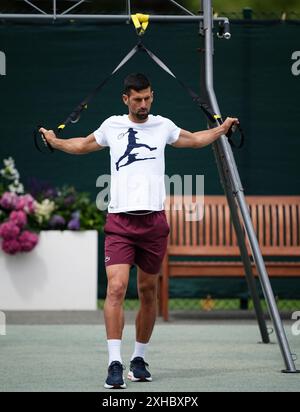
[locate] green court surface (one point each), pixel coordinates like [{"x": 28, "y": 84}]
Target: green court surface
[{"x": 183, "y": 357}]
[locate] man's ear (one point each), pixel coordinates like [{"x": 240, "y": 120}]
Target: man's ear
[
  {"x": 125, "y": 99},
  {"x": 152, "y": 96}
]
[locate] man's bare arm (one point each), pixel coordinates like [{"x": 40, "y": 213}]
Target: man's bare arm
[
  {"x": 203, "y": 138},
  {"x": 77, "y": 145}
]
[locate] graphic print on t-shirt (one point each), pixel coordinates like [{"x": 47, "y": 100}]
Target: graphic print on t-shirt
[{"x": 132, "y": 144}]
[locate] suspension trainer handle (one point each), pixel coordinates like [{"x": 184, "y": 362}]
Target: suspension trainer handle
[
  {"x": 233, "y": 129},
  {"x": 39, "y": 136}
]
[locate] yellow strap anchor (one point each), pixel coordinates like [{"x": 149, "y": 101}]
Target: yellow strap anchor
[{"x": 140, "y": 22}]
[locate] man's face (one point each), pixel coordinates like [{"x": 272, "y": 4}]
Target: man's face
[{"x": 139, "y": 103}]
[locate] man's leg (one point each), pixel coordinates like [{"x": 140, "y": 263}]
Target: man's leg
[
  {"x": 117, "y": 282},
  {"x": 145, "y": 320},
  {"x": 117, "y": 277},
  {"x": 147, "y": 291}
]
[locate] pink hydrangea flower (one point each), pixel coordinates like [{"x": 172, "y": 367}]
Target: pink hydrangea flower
[
  {"x": 9, "y": 230},
  {"x": 26, "y": 203},
  {"x": 9, "y": 200},
  {"x": 28, "y": 241},
  {"x": 11, "y": 246},
  {"x": 19, "y": 218}
]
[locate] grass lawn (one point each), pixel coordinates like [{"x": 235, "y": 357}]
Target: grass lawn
[
  {"x": 258, "y": 6},
  {"x": 210, "y": 304}
]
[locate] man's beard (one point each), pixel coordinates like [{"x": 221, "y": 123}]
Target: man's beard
[{"x": 142, "y": 115}]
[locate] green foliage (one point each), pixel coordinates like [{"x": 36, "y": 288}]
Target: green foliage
[
  {"x": 70, "y": 201},
  {"x": 47, "y": 207},
  {"x": 258, "y": 6},
  {"x": 70, "y": 204}
]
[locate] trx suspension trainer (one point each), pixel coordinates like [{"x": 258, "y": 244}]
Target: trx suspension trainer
[{"x": 140, "y": 22}]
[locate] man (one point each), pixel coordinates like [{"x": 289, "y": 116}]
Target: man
[{"x": 136, "y": 228}]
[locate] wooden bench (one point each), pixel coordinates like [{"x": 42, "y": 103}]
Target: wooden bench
[{"x": 276, "y": 221}]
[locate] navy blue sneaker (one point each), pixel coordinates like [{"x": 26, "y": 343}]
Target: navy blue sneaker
[
  {"x": 115, "y": 378},
  {"x": 138, "y": 371}
]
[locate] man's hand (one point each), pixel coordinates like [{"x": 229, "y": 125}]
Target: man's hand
[
  {"x": 49, "y": 136},
  {"x": 77, "y": 145},
  {"x": 230, "y": 121},
  {"x": 203, "y": 138}
]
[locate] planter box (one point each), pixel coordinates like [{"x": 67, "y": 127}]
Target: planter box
[{"x": 61, "y": 273}]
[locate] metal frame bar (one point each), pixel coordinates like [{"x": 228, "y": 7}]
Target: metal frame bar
[
  {"x": 233, "y": 180},
  {"x": 72, "y": 7},
  {"x": 128, "y": 11},
  {"x": 54, "y": 7},
  {"x": 129, "y": 7},
  {"x": 107, "y": 18},
  {"x": 243, "y": 248},
  {"x": 226, "y": 184},
  {"x": 34, "y": 6},
  {"x": 181, "y": 7}
]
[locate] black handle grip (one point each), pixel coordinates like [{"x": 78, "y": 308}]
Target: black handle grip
[
  {"x": 38, "y": 137},
  {"x": 231, "y": 131},
  {"x": 227, "y": 34}
]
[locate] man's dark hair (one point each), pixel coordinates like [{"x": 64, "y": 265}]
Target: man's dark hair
[{"x": 137, "y": 82}]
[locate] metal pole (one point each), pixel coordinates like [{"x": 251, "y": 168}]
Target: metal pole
[
  {"x": 111, "y": 18},
  {"x": 226, "y": 184},
  {"x": 181, "y": 7},
  {"x": 129, "y": 11},
  {"x": 54, "y": 9},
  {"x": 243, "y": 248},
  {"x": 226, "y": 151},
  {"x": 73, "y": 7},
  {"x": 129, "y": 7},
  {"x": 35, "y": 7}
]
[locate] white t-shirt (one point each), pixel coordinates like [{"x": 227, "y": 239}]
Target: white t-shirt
[{"x": 137, "y": 161}]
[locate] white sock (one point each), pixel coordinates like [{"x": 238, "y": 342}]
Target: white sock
[
  {"x": 114, "y": 350},
  {"x": 139, "y": 350}
]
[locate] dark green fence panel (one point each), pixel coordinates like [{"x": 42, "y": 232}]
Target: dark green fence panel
[{"x": 51, "y": 68}]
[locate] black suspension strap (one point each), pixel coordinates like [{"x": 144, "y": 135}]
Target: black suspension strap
[
  {"x": 207, "y": 110},
  {"x": 140, "y": 22},
  {"x": 75, "y": 115}
]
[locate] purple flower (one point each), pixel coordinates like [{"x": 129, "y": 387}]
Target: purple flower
[
  {"x": 74, "y": 224},
  {"x": 11, "y": 246},
  {"x": 9, "y": 231},
  {"x": 9, "y": 200},
  {"x": 37, "y": 188},
  {"x": 57, "y": 221},
  {"x": 76, "y": 215},
  {"x": 19, "y": 218},
  {"x": 69, "y": 200},
  {"x": 28, "y": 241},
  {"x": 26, "y": 203},
  {"x": 50, "y": 193}
]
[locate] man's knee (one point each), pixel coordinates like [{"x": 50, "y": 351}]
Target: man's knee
[
  {"x": 148, "y": 293},
  {"x": 116, "y": 291},
  {"x": 117, "y": 277}
]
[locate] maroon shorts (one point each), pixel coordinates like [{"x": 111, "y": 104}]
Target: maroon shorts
[{"x": 136, "y": 239}]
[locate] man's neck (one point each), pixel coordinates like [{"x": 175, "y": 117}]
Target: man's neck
[{"x": 136, "y": 120}]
